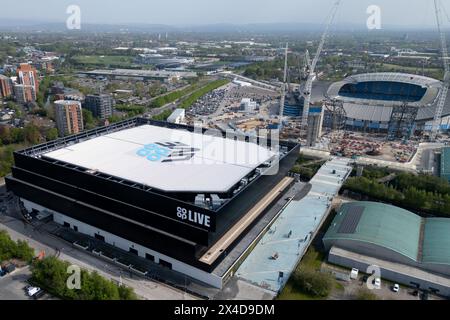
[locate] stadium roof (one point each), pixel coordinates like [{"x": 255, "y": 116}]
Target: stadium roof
[
  {"x": 380, "y": 224},
  {"x": 380, "y": 110},
  {"x": 432, "y": 85},
  {"x": 167, "y": 159}
]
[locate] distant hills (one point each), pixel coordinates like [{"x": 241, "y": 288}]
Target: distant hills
[{"x": 55, "y": 26}]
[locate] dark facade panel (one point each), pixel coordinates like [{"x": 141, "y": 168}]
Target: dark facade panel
[
  {"x": 161, "y": 243},
  {"x": 131, "y": 212},
  {"x": 93, "y": 198},
  {"x": 160, "y": 204},
  {"x": 244, "y": 201}
]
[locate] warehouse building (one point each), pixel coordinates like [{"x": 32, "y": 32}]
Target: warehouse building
[
  {"x": 179, "y": 196},
  {"x": 409, "y": 249}
]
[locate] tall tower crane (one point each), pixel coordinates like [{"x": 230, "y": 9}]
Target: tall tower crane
[
  {"x": 308, "y": 86},
  {"x": 446, "y": 83},
  {"x": 284, "y": 86}
]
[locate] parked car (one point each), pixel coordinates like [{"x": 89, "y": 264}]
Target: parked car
[
  {"x": 395, "y": 287},
  {"x": 39, "y": 294},
  {"x": 31, "y": 291},
  {"x": 9, "y": 268},
  {"x": 424, "y": 295},
  {"x": 377, "y": 283},
  {"x": 365, "y": 278},
  {"x": 415, "y": 293},
  {"x": 354, "y": 273}
]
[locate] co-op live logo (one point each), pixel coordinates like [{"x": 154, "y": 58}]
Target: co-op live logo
[{"x": 167, "y": 152}]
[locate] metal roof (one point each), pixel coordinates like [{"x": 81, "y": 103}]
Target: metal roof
[
  {"x": 167, "y": 159},
  {"x": 436, "y": 243},
  {"x": 381, "y": 225}
]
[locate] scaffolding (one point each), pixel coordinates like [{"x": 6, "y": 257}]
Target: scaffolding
[
  {"x": 402, "y": 122},
  {"x": 335, "y": 116}
]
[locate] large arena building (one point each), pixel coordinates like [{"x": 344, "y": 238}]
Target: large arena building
[
  {"x": 375, "y": 101},
  {"x": 177, "y": 195}
]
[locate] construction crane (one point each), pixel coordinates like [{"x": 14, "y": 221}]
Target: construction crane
[
  {"x": 446, "y": 83},
  {"x": 283, "y": 87},
  {"x": 311, "y": 68},
  {"x": 306, "y": 65}
]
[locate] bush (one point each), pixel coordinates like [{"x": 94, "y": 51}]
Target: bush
[
  {"x": 173, "y": 96},
  {"x": 413, "y": 192},
  {"x": 365, "y": 294},
  {"x": 162, "y": 116},
  {"x": 51, "y": 274},
  {"x": 9, "y": 249},
  {"x": 312, "y": 282}
]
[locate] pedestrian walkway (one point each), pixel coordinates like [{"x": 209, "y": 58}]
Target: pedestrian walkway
[{"x": 274, "y": 258}]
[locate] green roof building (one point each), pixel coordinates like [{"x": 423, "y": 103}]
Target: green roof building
[{"x": 392, "y": 234}]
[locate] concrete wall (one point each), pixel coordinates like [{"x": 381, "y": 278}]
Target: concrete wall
[
  {"x": 375, "y": 251},
  {"x": 371, "y": 250},
  {"x": 125, "y": 245},
  {"x": 391, "y": 275}
]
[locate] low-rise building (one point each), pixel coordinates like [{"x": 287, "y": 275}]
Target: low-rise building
[
  {"x": 407, "y": 248},
  {"x": 177, "y": 116}
]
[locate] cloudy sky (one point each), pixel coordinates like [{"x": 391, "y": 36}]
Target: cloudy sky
[{"x": 407, "y": 13}]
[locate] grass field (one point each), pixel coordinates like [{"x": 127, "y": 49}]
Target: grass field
[
  {"x": 311, "y": 260},
  {"x": 433, "y": 72},
  {"x": 118, "y": 61}
]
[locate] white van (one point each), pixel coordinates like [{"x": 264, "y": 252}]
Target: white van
[{"x": 354, "y": 274}]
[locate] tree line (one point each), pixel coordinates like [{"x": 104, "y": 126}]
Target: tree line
[
  {"x": 52, "y": 274},
  {"x": 425, "y": 193},
  {"x": 10, "y": 249}
]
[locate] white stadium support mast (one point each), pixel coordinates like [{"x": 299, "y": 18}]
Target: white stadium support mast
[
  {"x": 308, "y": 86},
  {"x": 446, "y": 83},
  {"x": 283, "y": 87}
]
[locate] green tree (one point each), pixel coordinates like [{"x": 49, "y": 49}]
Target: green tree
[
  {"x": 88, "y": 119},
  {"x": 31, "y": 134},
  {"x": 10, "y": 249},
  {"x": 51, "y": 134},
  {"x": 313, "y": 282},
  {"x": 51, "y": 274}
]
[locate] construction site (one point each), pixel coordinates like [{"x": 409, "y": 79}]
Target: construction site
[{"x": 379, "y": 115}]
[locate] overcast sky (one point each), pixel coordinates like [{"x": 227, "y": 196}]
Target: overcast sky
[{"x": 175, "y": 12}]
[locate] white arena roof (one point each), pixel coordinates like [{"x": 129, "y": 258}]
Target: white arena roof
[{"x": 167, "y": 159}]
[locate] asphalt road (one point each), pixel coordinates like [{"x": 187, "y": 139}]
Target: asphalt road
[
  {"x": 12, "y": 286},
  {"x": 40, "y": 240}
]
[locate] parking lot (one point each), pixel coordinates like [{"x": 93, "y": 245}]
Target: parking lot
[
  {"x": 12, "y": 286},
  {"x": 351, "y": 288}
]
